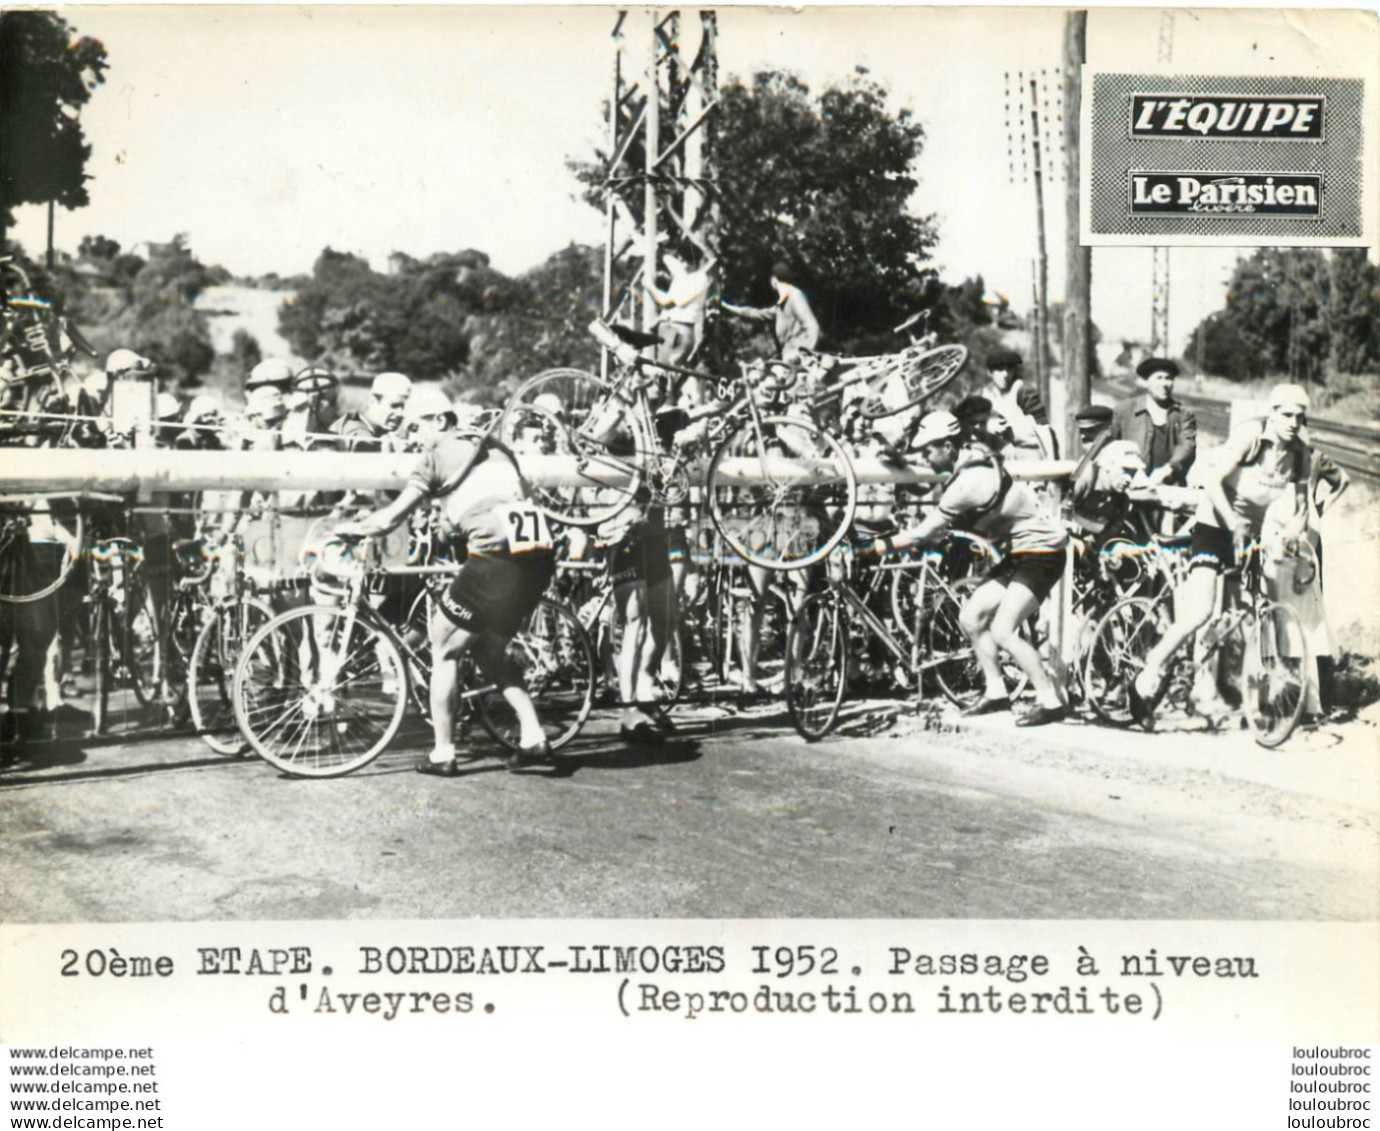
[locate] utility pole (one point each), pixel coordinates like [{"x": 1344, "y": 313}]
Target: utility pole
[
  {"x": 1159, "y": 264},
  {"x": 1077, "y": 258},
  {"x": 1042, "y": 287}
]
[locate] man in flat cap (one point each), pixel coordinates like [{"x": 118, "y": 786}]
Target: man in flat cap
[
  {"x": 1165, "y": 432},
  {"x": 1093, "y": 422}
]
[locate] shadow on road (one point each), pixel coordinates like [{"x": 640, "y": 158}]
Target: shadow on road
[{"x": 624, "y": 757}]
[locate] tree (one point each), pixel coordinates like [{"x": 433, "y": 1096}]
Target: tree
[
  {"x": 47, "y": 75},
  {"x": 1275, "y": 319},
  {"x": 823, "y": 182},
  {"x": 1355, "y": 311}
]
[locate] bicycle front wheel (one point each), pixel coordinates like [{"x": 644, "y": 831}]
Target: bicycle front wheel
[
  {"x": 319, "y": 692},
  {"x": 211, "y": 671},
  {"x": 782, "y": 492},
  {"x": 573, "y": 414},
  {"x": 921, "y": 375},
  {"x": 556, "y": 661},
  {"x": 141, "y": 638},
  {"x": 1116, "y": 655},
  {"x": 817, "y": 665},
  {"x": 1277, "y": 664}
]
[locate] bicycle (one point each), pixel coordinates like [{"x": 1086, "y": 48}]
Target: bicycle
[
  {"x": 321, "y": 690},
  {"x": 123, "y": 637},
  {"x": 1254, "y": 648},
  {"x": 781, "y": 489},
  {"x": 233, "y": 616},
  {"x": 837, "y": 624}
]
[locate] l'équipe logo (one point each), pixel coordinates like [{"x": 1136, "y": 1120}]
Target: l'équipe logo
[
  {"x": 1228, "y": 117},
  {"x": 1225, "y": 194}
]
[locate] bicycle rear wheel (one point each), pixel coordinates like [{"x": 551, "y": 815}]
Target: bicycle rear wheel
[
  {"x": 1116, "y": 655},
  {"x": 211, "y": 671},
  {"x": 817, "y": 665},
  {"x": 1276, "y": 667},
  {"x": 782, "y": 497},
  {"x": 556, "y": 660},
  {"x": 319, "y": 692},
  {"x": 571, "y": 413}
]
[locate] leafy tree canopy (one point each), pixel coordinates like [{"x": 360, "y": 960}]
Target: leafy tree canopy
[
  {"x": 1293, "y": 312},
  {"x": 822, "y": 182},
  {"x": 451, "y": 317},
  {"x": 47, "y": 74}
]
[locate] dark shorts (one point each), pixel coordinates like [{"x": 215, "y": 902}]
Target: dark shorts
[
  {"x": 643, "y": 556},
  {"x": 1212, "y": 547},
  {"x": 496, "y": 594},
  {"x": 1037, "y": 572}
]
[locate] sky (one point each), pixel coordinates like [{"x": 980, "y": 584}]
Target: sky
[{"x": 267, "y": 134}]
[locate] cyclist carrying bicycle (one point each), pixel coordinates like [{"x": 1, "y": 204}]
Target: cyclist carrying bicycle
[
  {"x": 511, "y": 560},
  {"x": 1263, "y": 463},
  {"x": 981, "y": 497}
]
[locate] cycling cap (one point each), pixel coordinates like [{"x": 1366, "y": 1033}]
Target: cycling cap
[
  {"x": 167, "y": 407},
  {"x": 1003, "y": 359},
  {"x": 265, "y": 400},
  {"x": 127, "y": 363},
  {"x": 427, "y": 400},
  {"x": 1289, "y": 396},
  {"x": 549, "y": 402},
  {"x": 391, "y": 385},
  {"x": 1153, "y": 365},
  {"x": 270, "y": 371},
  {"x": 202, "y": 405},
  {"x": 315, "y": 378},
  {"x": 936, "y": 426}
]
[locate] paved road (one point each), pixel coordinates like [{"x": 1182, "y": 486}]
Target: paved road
[{"x": 737, "y": 818}]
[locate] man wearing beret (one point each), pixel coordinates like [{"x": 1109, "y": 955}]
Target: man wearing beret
[{"x": 1165, "y": 432}]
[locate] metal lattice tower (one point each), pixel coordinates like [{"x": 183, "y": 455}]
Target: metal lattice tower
[
  {"x": 658, "y": 185},
  {"x": 1159, "y": 281}
]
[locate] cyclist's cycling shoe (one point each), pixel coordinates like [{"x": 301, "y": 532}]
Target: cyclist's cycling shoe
[
  {"x": 640, "y": 734},
  {"x": 1142, "y": 709},
  {"x": 988, "y": 706},
  {"x": 528, "y": 755},
  {"x": 1041, "y": 716},
  {"x": 439, "y": 769}
]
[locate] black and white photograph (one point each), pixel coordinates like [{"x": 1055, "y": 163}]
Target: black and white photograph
[
  {"x": 586, "y": 463},
  {"x": 525, "y": 527}
]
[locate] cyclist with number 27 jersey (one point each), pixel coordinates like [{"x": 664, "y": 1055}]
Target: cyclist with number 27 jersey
[{"x": 510, "y": 561}]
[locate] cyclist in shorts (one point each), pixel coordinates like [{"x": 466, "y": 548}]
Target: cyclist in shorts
[
  {"x": 981, "y": 497},
  {"x": 511, "y": 560},
  {"x": 1261, "y": 464}
]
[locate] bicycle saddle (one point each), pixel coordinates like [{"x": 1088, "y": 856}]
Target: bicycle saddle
[{"x": 635, "y": 338}]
